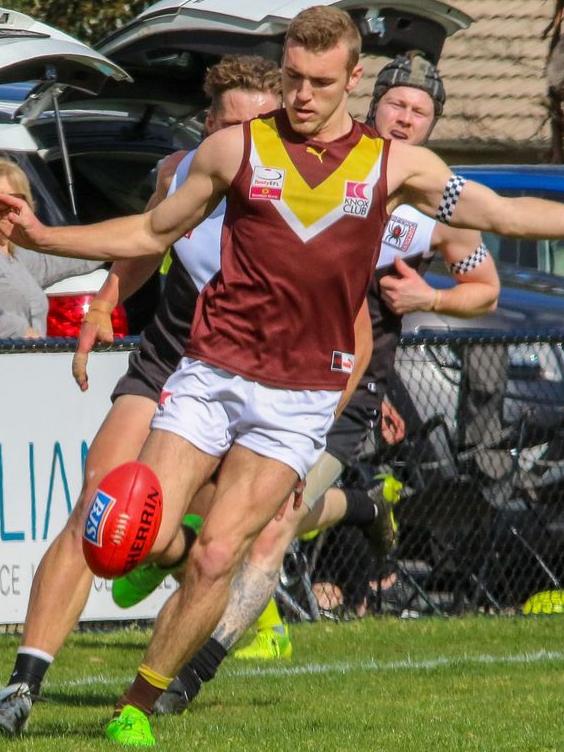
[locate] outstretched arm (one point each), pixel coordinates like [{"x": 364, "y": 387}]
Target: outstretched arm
[
  {"x": 147, "y": 234},
  {"x": 418, "y": 177}
]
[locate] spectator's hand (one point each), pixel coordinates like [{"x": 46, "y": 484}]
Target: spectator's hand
[
  {"x": 393, "y": 425},
  {"x": 406, "y": 290},
  {"x": 96, "y": 328},
  {"x": 19, "y": 223},
  {"x": 31, "y": 333}
]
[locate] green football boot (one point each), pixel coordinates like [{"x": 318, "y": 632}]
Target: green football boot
[
  {"x": 131, "y": 728},
  {"x": 135, "y": 586}
]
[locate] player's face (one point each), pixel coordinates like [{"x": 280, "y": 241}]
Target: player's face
[
  {"x": 315, "y": 87},
  {"x": 405, "y": 114},
  {"x": 239, "y": 105}
]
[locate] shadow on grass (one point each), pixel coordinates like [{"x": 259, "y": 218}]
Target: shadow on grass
[
  {"x": 91, "y": 730},
  {"x": 106, "y": 699},
  {"x": 92, "y": 699}
]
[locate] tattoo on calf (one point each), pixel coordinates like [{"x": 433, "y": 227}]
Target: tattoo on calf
[
  {"x": 449, "y": 199},
  {"x": 251, "y": 590},
  {"x": 469, "y": 262}
]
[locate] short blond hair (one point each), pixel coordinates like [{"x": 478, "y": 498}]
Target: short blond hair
[
  {"x": 322, "y": 27},
  {"x": 19, "y": 183},
  {"x": 246, "y": 72}
]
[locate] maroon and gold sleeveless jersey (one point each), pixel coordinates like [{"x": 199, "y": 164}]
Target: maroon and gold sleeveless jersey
[{"x": 299, "y": 244}]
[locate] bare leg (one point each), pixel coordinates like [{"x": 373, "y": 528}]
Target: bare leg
[
  {"x": 250, "y": 590},
  {"x": 257, "y": 579},
  {"x": 328, "y": 510},
  {"x": 250, "y": 490},
  {"x": 62, "y": 582}
]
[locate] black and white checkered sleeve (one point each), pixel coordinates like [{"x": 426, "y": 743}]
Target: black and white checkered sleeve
[
  {"x": 449, "y": 199},
  {"x": 470, "y": 262}
]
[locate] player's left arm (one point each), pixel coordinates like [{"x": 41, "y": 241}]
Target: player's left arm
[
  {"x": 147, "y": 234},
  {"x": 363, "y": 344},
  {"x": 419, "y": 177}
]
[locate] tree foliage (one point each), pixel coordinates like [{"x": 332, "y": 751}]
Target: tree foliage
[{"x": 88, "y": 20}]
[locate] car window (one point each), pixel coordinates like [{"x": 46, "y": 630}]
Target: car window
[
  {"x": 112, "y": 155},
  {"x": 109, "y": 184}
]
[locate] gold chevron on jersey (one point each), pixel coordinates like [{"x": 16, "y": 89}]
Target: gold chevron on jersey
[{"x": 306, "y": 210}]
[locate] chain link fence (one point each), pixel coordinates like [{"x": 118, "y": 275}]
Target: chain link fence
[{"x": 481, "y": 519}]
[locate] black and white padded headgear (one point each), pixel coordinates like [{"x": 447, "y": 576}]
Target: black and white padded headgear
[{"x": 410, "y": 69}]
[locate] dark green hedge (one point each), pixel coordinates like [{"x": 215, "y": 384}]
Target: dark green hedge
[{"x": 88, "y": 20}]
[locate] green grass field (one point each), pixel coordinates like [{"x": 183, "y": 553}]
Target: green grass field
[{"x": 482, "y": 684}]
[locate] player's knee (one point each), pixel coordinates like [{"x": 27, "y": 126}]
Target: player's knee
[
  {"x": 74, "y": 527},
  {"x": 268, "y": 549},
  {"x": 214, "y": 559}
]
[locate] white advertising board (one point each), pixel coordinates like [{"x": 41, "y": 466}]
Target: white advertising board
[{"x": 46, "y": 426}]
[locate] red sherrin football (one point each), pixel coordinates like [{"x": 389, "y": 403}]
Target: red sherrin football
[{"x": 123, "y": 520}]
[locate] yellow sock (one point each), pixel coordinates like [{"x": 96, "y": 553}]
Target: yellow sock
[
  {"x": 270, "y": 617},
  {"x": 153, "y": 677}
]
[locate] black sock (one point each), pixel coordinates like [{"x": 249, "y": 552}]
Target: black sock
[
  {"x": 360, "y": 507},
  {"x": 30, "y": 669},
  {"x": 202, "y": 667}
]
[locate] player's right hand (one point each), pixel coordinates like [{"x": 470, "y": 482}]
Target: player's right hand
[{"x": 96, "y": 328}]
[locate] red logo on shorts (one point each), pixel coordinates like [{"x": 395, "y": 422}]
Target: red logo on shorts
[{"x": 165, "y": 396}]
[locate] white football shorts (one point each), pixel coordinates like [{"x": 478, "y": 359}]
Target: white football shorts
[{"x": 213, "y": 409}]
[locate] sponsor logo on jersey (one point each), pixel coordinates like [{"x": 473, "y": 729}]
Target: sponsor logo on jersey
[
  {"x": 100, "y": 507},
  {"x": 343, "y": 362},
  {"x": 267, "y": 183},
  {"x": 357, "y": 198},
  {"x": 399, "y": 233}
]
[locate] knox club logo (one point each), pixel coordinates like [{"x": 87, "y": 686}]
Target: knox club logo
[{"x": 357, "y": 198}]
